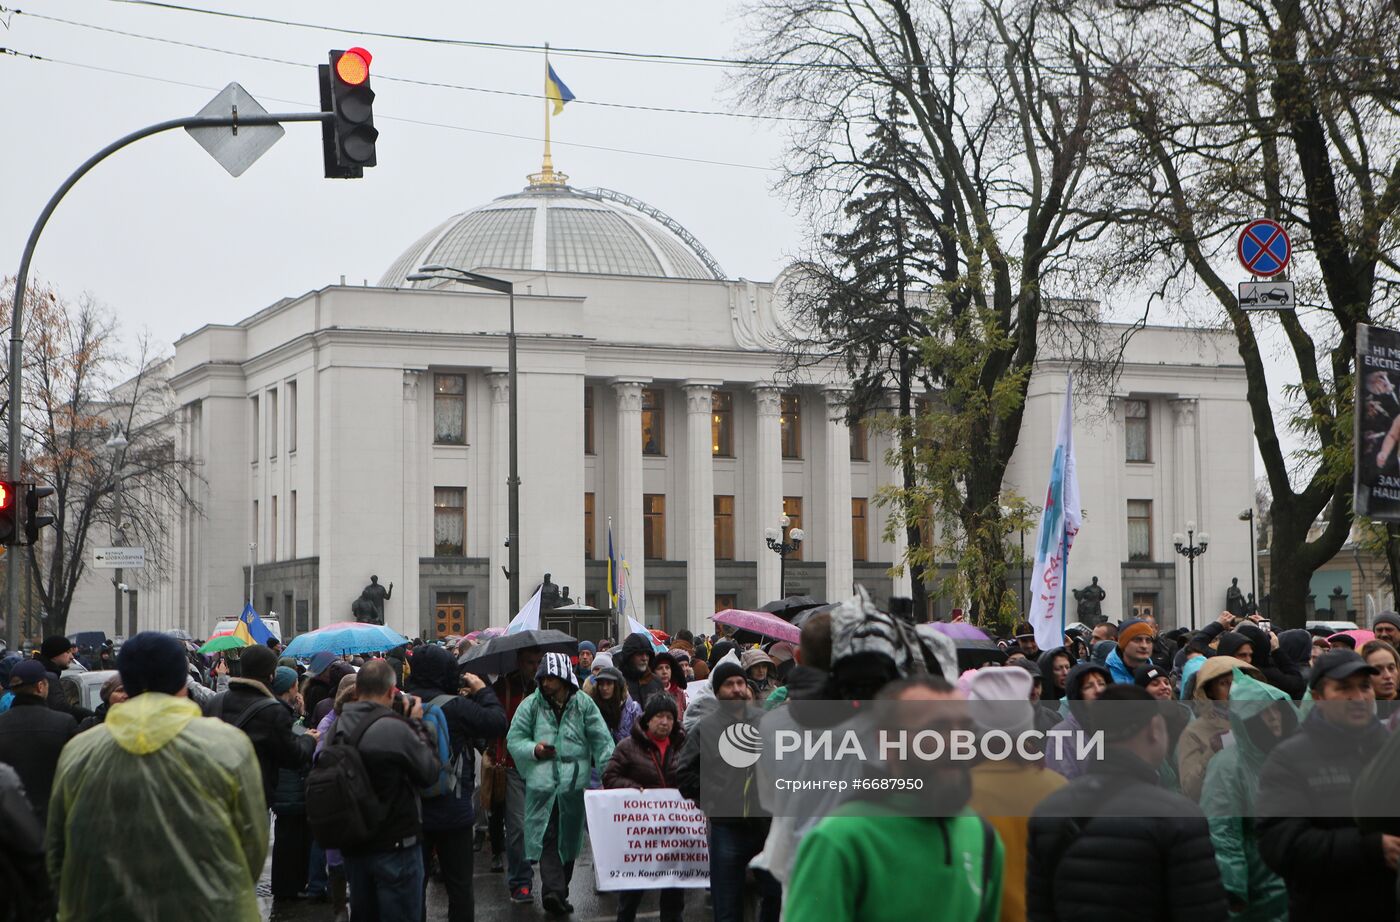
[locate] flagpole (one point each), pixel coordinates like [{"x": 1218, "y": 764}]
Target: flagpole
[{"x": 548, "y": 168}]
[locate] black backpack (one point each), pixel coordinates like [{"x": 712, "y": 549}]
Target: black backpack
[{"x": 342, "y": 807}]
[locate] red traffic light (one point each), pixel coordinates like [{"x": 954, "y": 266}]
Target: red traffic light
[
  {"x": 352, "y": 67},
  {"x": 7, "y": 495}
]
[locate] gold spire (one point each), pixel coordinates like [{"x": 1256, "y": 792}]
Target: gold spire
[{"x": 547, "y": 177}]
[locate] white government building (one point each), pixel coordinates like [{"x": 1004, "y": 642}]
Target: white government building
[{"x": 353, "y": 431}]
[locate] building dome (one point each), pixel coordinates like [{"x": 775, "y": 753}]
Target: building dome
[{"x": 552, "y": 227}]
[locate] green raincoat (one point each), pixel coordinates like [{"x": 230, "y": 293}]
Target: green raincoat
[
  {"x": 157, "y": 813},
  {"x": 582, "y": 742},
  {"x": 1227, "y": 797}
]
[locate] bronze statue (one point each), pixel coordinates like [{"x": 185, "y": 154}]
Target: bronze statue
[
  {"x": 364, "y": 610},
  {"x": 1090, "y": 602},
  {"x": 1235, "y": 602},
  {"x": 377, "y": 596},
  {"x": 550, "y": 597}
]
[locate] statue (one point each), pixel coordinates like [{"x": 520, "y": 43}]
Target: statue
[
  {"x": 1090, "y": 599},
  {"x": 550, "y": 598},
  {"x": 1235, "y": 602},
  {"x": 363, "y": 610},
  {"x": 377, "y": 596},
  {"x": 1251, "y": 608}
]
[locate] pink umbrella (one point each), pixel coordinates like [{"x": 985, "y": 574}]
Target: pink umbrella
[
  {"x": 760, "y": 622},
  {"x": 1359, "y": 636}
]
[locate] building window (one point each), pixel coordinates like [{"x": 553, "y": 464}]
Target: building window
[
  {"x": 859, "y": 542},
  {"x": 653, "y": 421},
  {"x": 257, "y": 422},
  {"x": 792, "y": 508},
  {"x": 726, "y": 600},
  {"x": 722, "y": 424},
  {"x": 724, "y": 528},
  {"x": 588, "y": 419},
  {"x": 451, "y": 614},
  {"x": 449, "y": 521},
  {"x": 272, "y": 536},
  {"x": 272, "y": 423},
  {"x": 791, "y": 425},
  {"x": 860, "y": 441},
  {"x": 657, "y": 606},
  {"x": 1137, "y": 422},
  {"x": 291, "y": 417},
  {"x": 450, "y": 409},
  {"x": 654, "y": 526},
  {"x": 1139, "y": 529},
  {"x": 292, "y": 525},
  {"x": 589, "y": 527}
]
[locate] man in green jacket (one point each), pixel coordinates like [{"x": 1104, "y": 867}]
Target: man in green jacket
[
  {"x": 871, "y": 861},
  {"x": 556, "y": 738},
  {"x": 152, "y": 784}
]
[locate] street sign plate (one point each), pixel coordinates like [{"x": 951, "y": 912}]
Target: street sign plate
[
  {"x": 1267, "y": 296},
  {"x": 119, "y": 558},
  {"x": 1264, "y": 248},
  {"x": 236, "y": 149}
]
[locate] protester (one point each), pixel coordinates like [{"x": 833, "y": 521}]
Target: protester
[
  {"x": 758, "y": 669},
  {"x": 1007, "y": 791},
  {"x": 586, "y": 652},
  {"x": 1306, "y": 831},
  {"x": 1025, "y": 640},
  {"x": 1055, "y": 666},
  {"x": 619, "y": 711},
  {"x": 291, "y": 836},
  {"x": 647, "y": 759},
  {"x": 321, "y": 683},
  {"x": 511, "y": 689},
  {"x": 635, "y": 666},
  {"x": 871, "y": 861},
  {"x": 666, "y": 671},
  {"x": 1085, "y": 683},
  {"x": 471, "y": 712},
  {"x": 1382, "y": 657},
  {"x": 556, "y": 736},
  {"x": 1292, "y": 659},
  {"x": 1115, "y": 845},
  {"x": 111, "y": 694},
  {"x": 153, "y": 782},
  {"x": 1135, "y": 644},
  {"x": 1106, "y": 630},
  {"x": 1151, "y": 677},
  {"x": 24, "y": 880},
  {"x": 1387, "y": 627},
  {"x": 385, "y": 872},
  {"x": 32, "y": 734},
  {"x": 336, "y": 887},
  {"x": 1204, "y": 736},
  {"x": 55, "y": 655},
  {"x": 1260, "y": 717},
  {"x": 7, "y": 662}
]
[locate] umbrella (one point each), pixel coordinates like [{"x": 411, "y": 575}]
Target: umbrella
[
  {"x": 223, "y": 642},
  {"x": 345, "y": 637},
  {"x": 959, "y": 630},
  {"x": 1359, "y": 637},
  {"x": 759, "y": 622},
  {"x": 786, "y": 608},
  {"x": 972, "y": 653},
  {"x": 498, "y": 655},
  {"x": 179, "y": 634}
]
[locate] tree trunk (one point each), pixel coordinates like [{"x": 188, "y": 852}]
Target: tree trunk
[{"x": 913, "y": 534}]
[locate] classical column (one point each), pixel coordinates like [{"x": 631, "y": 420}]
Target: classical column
[
  {"x": 1186, "y": 480},
  {"x": 498, "y": 591},
  {"x": 699, "y": 503},
  {"x": 405, "y": 610},
  {"x": 840, "y": 567},
  {"x": 768, "y": 478},
  {"x": 631, "y": 541}
]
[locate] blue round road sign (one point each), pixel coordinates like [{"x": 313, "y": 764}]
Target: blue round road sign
[{"x": 1264, "y": 248}]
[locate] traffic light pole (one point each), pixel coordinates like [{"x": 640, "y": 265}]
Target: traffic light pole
[{"x": 16, "y": 459}]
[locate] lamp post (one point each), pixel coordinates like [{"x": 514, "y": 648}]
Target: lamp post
[
  {"x": 783, "y": 542},
  {"x": 1191, "y": 547},
  {"x": 1248, "y": 516},
  {"x": 116, "y": 446},
  {"x": 462, "y": 276}
]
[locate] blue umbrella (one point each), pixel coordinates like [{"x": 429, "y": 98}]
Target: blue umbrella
[{"x": 345, "y": 637}]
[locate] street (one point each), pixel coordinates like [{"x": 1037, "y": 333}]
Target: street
[{"x": 492, "y": 900}]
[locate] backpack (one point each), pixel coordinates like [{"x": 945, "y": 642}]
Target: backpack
[
  {"x": 449, "y": 779},
  {"x": 342, "y": 807},
  {"x": 216, "y": 709}
]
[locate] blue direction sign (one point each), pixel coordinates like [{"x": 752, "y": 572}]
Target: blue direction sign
[{"x": 1264, "y": 248}]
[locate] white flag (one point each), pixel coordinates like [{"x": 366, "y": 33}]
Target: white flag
[
  {"x": 528, "y": 619},
  {"x": 1058, "y": 525},
  {"x": 636, "y": 627}
]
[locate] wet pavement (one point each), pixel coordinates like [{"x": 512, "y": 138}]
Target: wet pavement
[{"x": 493, "y": 900}]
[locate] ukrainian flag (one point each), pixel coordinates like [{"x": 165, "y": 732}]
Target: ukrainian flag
[
  {"x": 555, "y": 89},
  {"x": 612, "y": 571},
  {"x": 250, "y": 628}
]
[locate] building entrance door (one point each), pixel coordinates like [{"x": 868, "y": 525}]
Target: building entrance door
[{"x": 451, "y": 614}]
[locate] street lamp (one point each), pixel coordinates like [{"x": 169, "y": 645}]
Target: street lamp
[
  {"x": 1191, "y": 547},
  {"x": 783, "y": 542},
  {"x": 462, "y": 276},
  {"x": 1248, "y": 516},
  {"x": 116, "y": 447}
]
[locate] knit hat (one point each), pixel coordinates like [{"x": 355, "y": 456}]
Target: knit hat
[
  {"x": 57, "y": 645},
  {"x": 1386, "y": 617},
  {"x": 999, "y": 699},
  {"x": 283, "y": 679},
  {"x": 112, "y": 684},
  {"x": 557, "y": 665},
  {"x": 611, "y": 674},
  {"x": 258, "y": 662},
  {"x": 319, "y": 662},
  {"x": 1133, "y": 629},
  {"x": 603, "y": 660},
  {"x": 587, "y": 645},
  {"x": 657, "y": 704},
  {"x": 1144, "y": 674},
  {"x": 723, "y": 672},
  {"x": 156, "y": 662},
  {"x": 664, "y": 657}
]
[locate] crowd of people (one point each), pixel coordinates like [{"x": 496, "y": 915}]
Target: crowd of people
[{"x": 1256, "y": 777}]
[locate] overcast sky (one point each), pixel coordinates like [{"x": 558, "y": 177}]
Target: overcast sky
[{"x": 167, "y": 239}]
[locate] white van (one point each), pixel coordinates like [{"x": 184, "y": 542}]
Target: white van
[{"x": 274, "y": 624}]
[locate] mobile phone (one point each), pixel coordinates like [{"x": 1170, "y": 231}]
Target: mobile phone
[{"x": 1266, "y": 625}]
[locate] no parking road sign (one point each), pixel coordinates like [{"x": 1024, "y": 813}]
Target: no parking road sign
[{"x": 1264, "y": 248}]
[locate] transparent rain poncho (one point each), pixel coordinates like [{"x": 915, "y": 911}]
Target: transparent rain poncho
[{"x": 158, "y": 813}]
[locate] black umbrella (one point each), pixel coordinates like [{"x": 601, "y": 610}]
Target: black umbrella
[
  {"x": 790, "y": 606},
  {"x": 498, "y": 655},
  {"x": 973, "y": 653}
]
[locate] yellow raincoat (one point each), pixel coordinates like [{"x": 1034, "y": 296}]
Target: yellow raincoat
[{"x": 157, "y": 813}]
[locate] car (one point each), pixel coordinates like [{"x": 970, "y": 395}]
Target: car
[
  {"x": 84, "y": 689},
  {"x": 1267, "y": 295},
  {"x": 1335, "y": 627}
]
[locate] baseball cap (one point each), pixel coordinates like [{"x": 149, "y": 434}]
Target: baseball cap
[
  {"x": 1337, "y": 664},
  {"x": 29, "y": 672}
]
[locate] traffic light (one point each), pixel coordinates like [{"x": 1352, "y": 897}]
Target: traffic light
[
  {"x": 347, "y": 138},
  {"x": 33, "y": 521},
  {"x": 8, "y": 530}
]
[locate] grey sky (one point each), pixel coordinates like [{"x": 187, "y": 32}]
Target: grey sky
[{"x": 170, "y": 241}]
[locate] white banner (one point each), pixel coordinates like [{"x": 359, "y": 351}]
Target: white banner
[
  {"x": 1059, "y": 524},
  {"x": 644, "y": 840}
]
